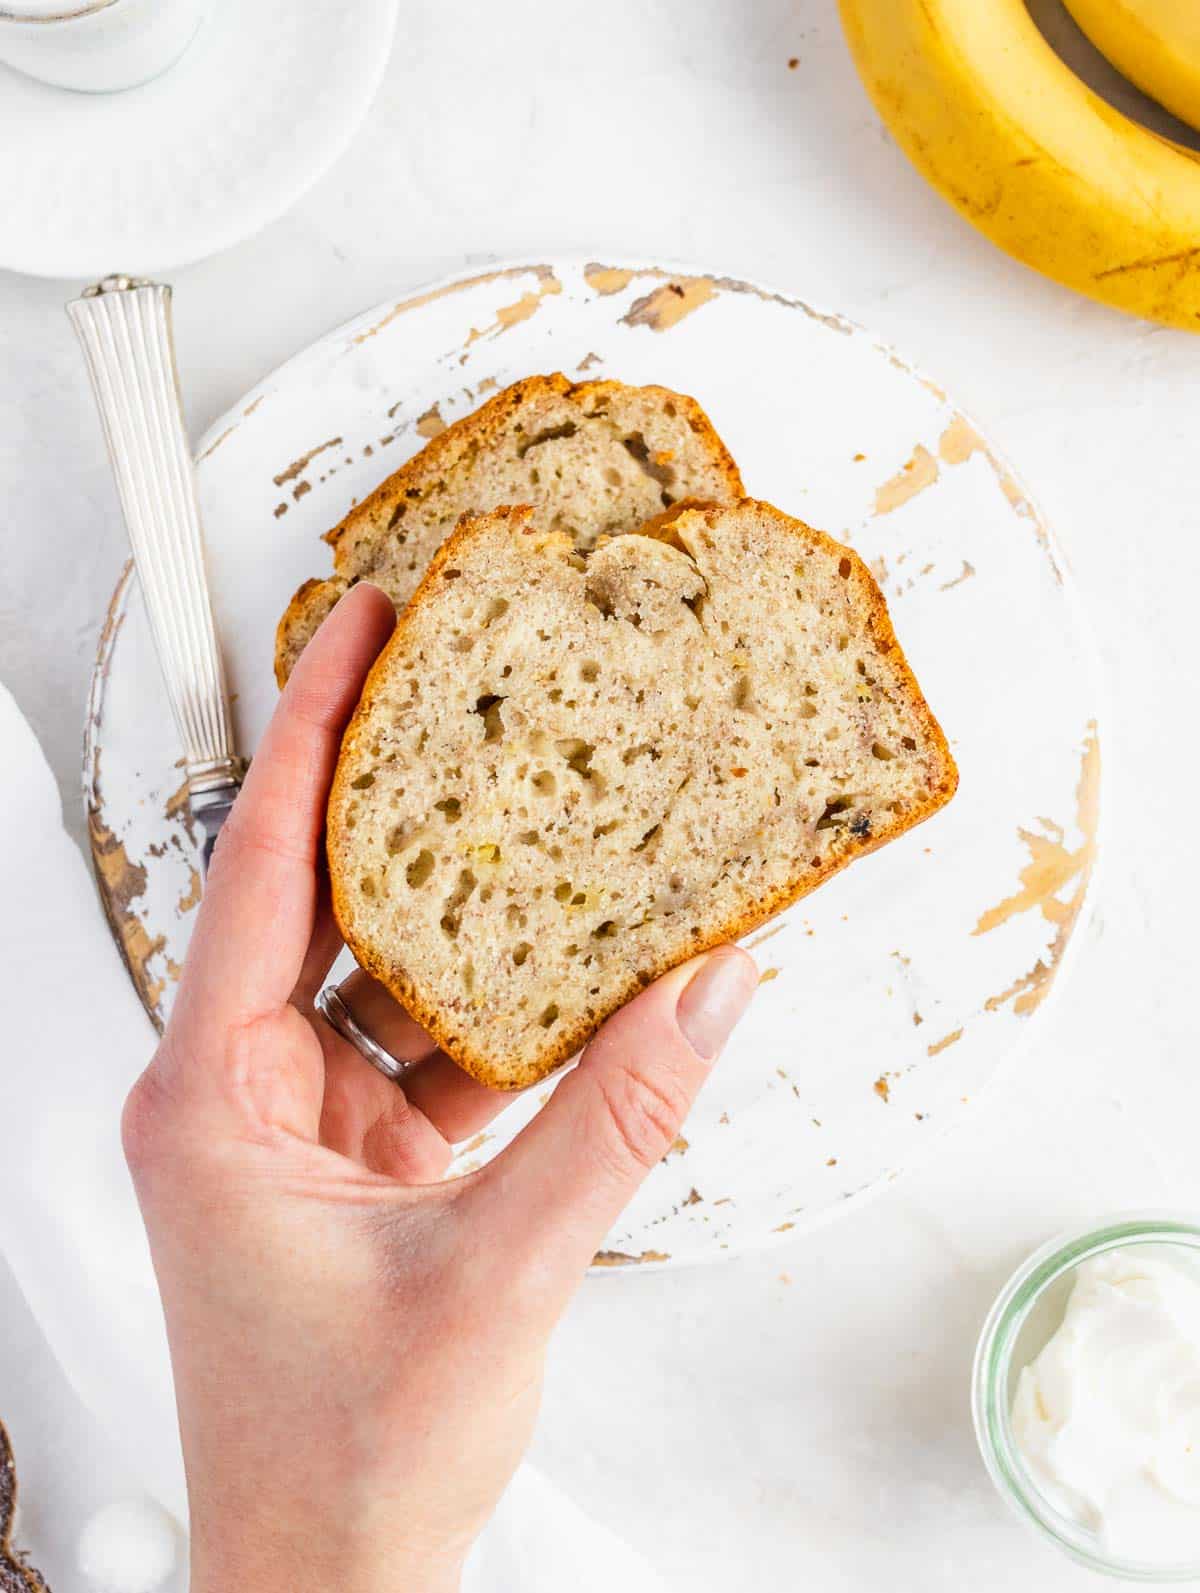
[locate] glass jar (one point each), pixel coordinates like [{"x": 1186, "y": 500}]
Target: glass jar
[{"x": 1026, "y": 1315}]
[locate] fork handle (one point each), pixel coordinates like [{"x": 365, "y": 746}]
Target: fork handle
[{"x": 124, "y": 326}]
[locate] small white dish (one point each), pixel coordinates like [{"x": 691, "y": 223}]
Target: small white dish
[{"x": 263, "y": 100}]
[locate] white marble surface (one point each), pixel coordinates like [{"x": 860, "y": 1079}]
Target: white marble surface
[{"x": 798, "y": 1419}]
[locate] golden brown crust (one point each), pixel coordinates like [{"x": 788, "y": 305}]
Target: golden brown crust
[
  {"x": 478, "y": 432},
  {"x": 474, "y": 433},
  {"x": 310, "y": 605},
  {"x": 492, "y": 1071}
]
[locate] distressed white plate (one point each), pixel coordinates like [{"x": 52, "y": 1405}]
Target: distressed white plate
[
  {"x": 891, "y": 995},
  {"x": 262, "y": 102}
]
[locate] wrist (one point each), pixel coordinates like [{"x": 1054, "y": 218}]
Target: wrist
[{"x": 297, "y": 1567}]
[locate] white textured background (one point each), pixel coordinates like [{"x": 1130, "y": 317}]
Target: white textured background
[{"x": 797, "y": 1420}]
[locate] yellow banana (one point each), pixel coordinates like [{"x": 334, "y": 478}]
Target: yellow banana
[
  {"x": 1027, "y": 152},
  {"x": 1155, "y": 43}
]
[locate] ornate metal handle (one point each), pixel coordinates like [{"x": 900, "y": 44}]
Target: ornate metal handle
[{"x": 124, "y": 326}]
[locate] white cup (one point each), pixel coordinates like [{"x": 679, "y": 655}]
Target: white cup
[{"x": 97, "y": 45}]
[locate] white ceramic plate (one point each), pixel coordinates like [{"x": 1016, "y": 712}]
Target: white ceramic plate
[
  {"x": 892, "y": 994},
  {"x": 265, "y": 98}
]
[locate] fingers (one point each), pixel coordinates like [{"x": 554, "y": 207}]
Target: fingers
[
  {"x": 377, "y": 1011},
  {"x": 258, "y": 912},
  {"x": 370, "y": 1119},
  {"x": 323, "y": 947},
  {"x": 606, "y": 1126},
  {"x": 562, "y": 1183},
  {"x": 458, "y": 1104},
  {"x": 455, "y": 1104}
]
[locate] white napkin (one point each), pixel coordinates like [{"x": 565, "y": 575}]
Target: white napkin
[{"x": 74, "y": 1039}]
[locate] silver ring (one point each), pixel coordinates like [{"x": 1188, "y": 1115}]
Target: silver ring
[{"x": 339, "y": 1018}]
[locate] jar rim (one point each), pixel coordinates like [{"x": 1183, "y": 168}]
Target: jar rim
[{"x": 990, "y": 1381}]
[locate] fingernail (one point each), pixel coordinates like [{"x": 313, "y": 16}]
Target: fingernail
[
  {"x": 359, "y": 586},
  {"x": 713, "y": 1000}
]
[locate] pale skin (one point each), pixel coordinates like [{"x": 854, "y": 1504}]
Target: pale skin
[{"x": 358, "y": 1345}]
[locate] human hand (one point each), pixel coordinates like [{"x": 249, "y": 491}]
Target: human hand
[{"x": 357, "y": 1346}]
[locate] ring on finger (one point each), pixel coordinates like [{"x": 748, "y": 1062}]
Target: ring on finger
[{"x": 332, "y": 1007}]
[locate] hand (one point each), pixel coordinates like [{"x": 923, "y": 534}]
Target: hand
[{"x": 357, "y": 1346}]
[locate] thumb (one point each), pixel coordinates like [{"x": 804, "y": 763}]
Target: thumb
[{"x": 565, "y": 1179}]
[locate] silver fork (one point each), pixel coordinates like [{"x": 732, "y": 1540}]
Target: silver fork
[{"x": 124, "y": 325}]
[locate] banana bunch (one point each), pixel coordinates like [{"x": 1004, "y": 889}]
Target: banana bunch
[
  {"x": 1155, "y": 43},
  {"x": 1043, "y": 166}
]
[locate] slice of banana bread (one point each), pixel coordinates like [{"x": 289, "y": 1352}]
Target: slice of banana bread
[
  {"x": 568, "y": 774},
  {"x": 595, "y": 457}
]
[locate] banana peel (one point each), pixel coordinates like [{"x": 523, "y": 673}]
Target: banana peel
[
  {"x": 1030, "y": 155},
  {"x": 1154, "y": 43}
]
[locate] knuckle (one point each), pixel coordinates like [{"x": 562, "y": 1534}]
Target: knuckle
[
  {"x": 229, "y": 839},
  {"x": 642, "y": 1113},
  {"x": 245, "y": 836},
  {"x": 145, "y": 1122},
  {"x": 400, "y": 1145}
]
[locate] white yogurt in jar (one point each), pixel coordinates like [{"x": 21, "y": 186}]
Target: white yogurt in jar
[{"x": 1107, "y": 1417}]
